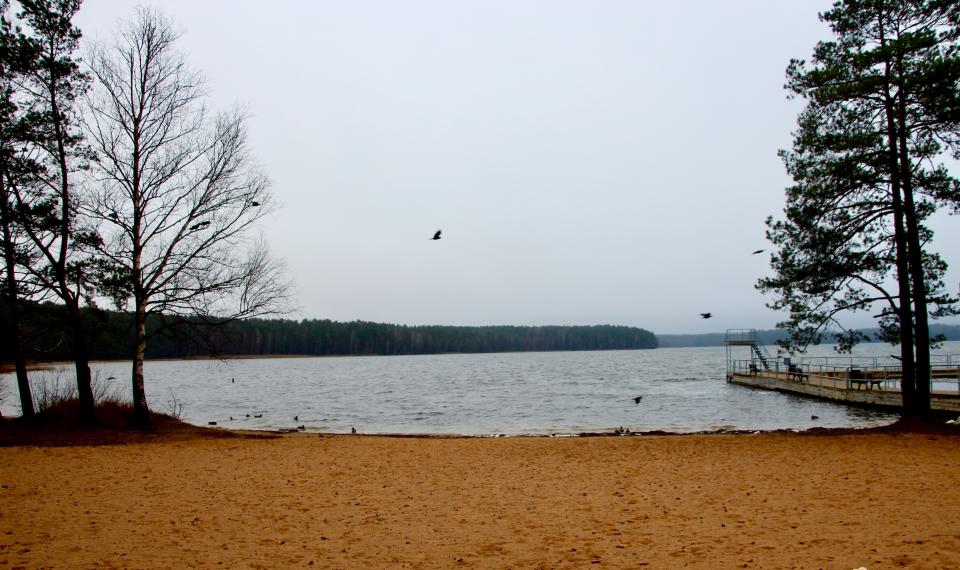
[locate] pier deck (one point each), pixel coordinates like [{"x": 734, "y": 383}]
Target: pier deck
[
  {"x": 855, "y": 380},
  {"x": 863, "y": 387}
]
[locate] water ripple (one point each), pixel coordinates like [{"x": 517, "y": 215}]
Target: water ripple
[{"x": 683, "y": 390}]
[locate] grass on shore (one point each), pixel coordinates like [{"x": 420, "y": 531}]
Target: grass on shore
[{"x": 60, "y": 424}]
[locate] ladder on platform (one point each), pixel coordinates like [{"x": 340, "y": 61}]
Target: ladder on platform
[{"x": 762, "y": 355}]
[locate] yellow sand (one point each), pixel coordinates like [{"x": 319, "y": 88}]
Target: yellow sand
[{"x": 703, "y": 501}]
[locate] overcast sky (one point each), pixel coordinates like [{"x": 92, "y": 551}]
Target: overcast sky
[{"x": 588, "y": 162}]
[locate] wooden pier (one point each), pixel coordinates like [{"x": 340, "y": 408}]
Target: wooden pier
[{"x": 869, "y": 383}]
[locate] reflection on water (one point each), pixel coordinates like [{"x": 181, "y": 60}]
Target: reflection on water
[{"x": 683, "y": 390}]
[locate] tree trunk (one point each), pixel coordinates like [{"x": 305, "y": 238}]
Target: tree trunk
[
  {"x": 908, "y": 376},
  {"x": 20, "y": 362},
  {"x": 141, "y": 413},
  {"x": 13, "y": 304},
  {"x": 915, "y": 251},
  {"x": 87, "y": 412},
  {"x": 12, "y": 292},
  {"x": 81, "y": 359},
  {"x": 919, "y": 294}
]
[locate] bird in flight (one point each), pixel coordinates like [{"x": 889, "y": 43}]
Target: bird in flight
[
  {"x": 706, "y": 315},
  {"x": 758, "y": 251},
  {"x": 637, "y": 399},
  {"x": 436, "y": 236}
]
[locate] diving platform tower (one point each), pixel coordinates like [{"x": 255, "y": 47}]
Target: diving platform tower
[{"x": 759, "y": 358}]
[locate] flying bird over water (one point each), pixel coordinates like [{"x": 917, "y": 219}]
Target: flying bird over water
[
  {"x": 436, "y": 236},
  {"x": 637, "y": 399},
  {"x": 706, "y": 315},
  {"x": 758, "y": 251}
]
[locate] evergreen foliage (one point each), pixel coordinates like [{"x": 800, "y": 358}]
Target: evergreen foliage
[
  {"x": 882, "y": 111},
  {"x": 315, "y": 337},
  {"x": 50, "y": 259}
]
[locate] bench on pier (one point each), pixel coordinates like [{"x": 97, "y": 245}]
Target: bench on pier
[
  {"x": 944, "y": 372},
  {"x": 858, "y": 378},
  {"x": 794, "y": 372}
]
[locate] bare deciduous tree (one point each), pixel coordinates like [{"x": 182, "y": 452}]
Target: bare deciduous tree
[{"x": 177, "y": 193}]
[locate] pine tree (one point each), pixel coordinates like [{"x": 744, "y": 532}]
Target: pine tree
[{"x": 881, "y": 112}]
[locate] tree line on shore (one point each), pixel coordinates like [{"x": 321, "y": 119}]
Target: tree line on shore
[
  {"x": 778, "y": 336},
  {"x": 111, "y": 338}
]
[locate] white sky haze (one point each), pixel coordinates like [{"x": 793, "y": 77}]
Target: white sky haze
[{"x": 589, "y": 162}]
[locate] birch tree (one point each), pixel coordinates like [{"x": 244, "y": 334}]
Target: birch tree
[{"x": 177, "y": 195}]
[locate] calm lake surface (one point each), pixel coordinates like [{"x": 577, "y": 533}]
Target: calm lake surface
[{"x": 683, "y": 389}]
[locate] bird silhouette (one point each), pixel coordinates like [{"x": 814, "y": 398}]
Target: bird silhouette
[
  {"x": 296, "y": 418},
  {"x": 254, "y": 203},
  {"x": 637, "y": 399},
  {"x": 353, "y": 430},
  {"x": 758, "y": 251},
  {"x": 706, "y": 315},
  {"x": 436, "y": 236},
  {"x": 199, "y": 225}
]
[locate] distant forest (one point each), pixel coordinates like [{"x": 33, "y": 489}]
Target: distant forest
[
  {"x": 314, "y": 337},
  {"x": 282, "y": 337},
  {"x": 771, "y": 336}
]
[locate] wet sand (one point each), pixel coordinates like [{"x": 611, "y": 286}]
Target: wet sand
[{"x": 303, "y": 500}]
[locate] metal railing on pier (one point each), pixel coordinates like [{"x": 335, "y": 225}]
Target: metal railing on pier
[
  {"x": 851, "y": 372},
  {"x": 740, "y": 336}
]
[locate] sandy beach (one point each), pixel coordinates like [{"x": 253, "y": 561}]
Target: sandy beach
[{"x": 775, "y": 500}]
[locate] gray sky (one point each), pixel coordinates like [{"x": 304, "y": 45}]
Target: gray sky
[{"x": 588, "y": 161}]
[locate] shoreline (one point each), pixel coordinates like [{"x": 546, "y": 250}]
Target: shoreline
[
  {"x": 116, "y": 431},
  {"x": 884, "y": 428}
]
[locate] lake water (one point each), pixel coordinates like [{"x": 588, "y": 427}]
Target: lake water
[{"x": 683, "y": 389}]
